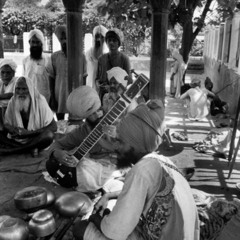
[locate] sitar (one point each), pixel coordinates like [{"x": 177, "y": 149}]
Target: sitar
[{"x": 65, "y": 175}]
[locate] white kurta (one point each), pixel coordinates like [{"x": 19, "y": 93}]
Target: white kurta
[
  {"x": 36, "y": 70},
  {"x": 198, "y": 106}
]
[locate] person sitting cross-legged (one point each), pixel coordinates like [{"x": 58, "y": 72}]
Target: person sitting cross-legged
[
  {"x": 29, "y": 123},
  {"x": 156, "y": 201},
  {"x": 94, "y": 171}
]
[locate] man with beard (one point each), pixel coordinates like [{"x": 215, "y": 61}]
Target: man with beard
[
  {"x": 7, "y": 72},
  {"x": 58, "y": 74},
  {"x": 114, "y": 58},
  {"x": 156, "y": 201},
  {"x": 97, "y": 170},
  {"x": 118, "y": 80},
  {"x": 29, "y": 121},
  {"x": 35, "y": 65},
  {"x": 92, "y": 55}
]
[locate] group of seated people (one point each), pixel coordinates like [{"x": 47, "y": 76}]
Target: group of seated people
[
  {"x": 202, "y": 101},
  {"x": 27, "y": 122}
]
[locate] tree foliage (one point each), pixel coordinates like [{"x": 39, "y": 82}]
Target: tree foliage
[{"x": 181, "y": 12}]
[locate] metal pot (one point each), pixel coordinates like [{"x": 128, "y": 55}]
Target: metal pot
[
  {"x": 72, "y": 203},
  {"x": 50, "y": 197},
  {"x": 30, "y": 198},
  {"x": 13, "y": 229},
  {"x": 3, "y": 218},
  {"x": 42, "y": 223}
]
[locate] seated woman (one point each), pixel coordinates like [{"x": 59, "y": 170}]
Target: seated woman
[
  {"x": 29, "y": 123},
  {"x": 197, "y": 101},
  {"x": 7, "y": 72}
]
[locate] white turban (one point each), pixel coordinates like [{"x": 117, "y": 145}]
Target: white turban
[
  {"x": 38, "y": 33},
  {"x": 83, "y": 101},
  {"x": 10, "y": 63},
  {"x": 99, "y": 29},
  {"x": 143, "y": 127},
  {"x": 119, "y": 74}
]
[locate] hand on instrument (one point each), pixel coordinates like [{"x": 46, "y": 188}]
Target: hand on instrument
[
  {"x": 64, "y": 157},
  {"x": 110, "y": 130}
]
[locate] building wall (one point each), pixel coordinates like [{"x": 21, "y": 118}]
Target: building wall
[{"x": 221, "y": 60}]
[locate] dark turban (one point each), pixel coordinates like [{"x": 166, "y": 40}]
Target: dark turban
[{"x": 143, "y": 127}]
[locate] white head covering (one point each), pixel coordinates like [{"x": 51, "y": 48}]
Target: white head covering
[
  {"x": 38, "y": 33},
  {"x": 119, "y": 74},
  {"x": 99, "y": 29},
  {"x": 10, "y": 63},
  {"x": 83, "y": 101}
]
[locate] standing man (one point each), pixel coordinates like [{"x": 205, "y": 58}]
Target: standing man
[
  {"x": 114, "y": 38},
  {"x": 35, "y": 65},
  {"x": 58, "y": 74},
  {"x": 92, "y": 55}
]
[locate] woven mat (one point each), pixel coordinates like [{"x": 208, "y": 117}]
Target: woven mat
[{"x": 23, "y": 163}]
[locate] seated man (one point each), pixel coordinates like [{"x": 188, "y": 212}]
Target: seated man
[
  {"x": 217, "y": 105},
  {"x": 7, "y": 70},
  {"x": 156, "y": 201},
  {"x": 197, "y": 101},
  {"x": 29, "y": 121},
  {"x": 94, "y": 171}
]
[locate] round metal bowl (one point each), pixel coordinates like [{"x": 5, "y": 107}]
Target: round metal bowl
[
  {"x": 13, "y": 229},
  {"x": 30, "y": 198},
  {"x": 71, "y": 203},
  {"x": 42, "y": 223},
  {"x": 50, "y": 197}
]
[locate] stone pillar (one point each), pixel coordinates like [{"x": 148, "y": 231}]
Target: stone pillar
[
  {"x": 159, "y": 48},
  {"x": 74, "y": 42},
  {"x": 2, "y": 2}
]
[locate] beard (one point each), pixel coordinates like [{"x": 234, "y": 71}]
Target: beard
[
  {"x": 93, "y": 124},
  {"x": 64, "y": 48},
  {"x": 126, "y": 159},
  {"x": 36, "y": 52},
  {"x": 23, "y": 104}
]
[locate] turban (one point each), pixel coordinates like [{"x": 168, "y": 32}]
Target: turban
[
  {"x": 195, "y": 82},
  {"x": 119, "y": 74},
  {"x": 59, "y": 30},
  {"x": 38, "y": 33},
  {"x": 116, "y": 33},
  {"x": 83, "y": 101},
  {"x": 99, "y": 29},
  {"x": 143, "y": 127},
  {"x": 10, "y": 63}
]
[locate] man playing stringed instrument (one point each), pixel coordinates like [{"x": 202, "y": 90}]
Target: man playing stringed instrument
[{"x": 97, "y": 169}]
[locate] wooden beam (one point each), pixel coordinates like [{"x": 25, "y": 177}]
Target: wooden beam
[
  {"x": 160, "y": 12},
  {"x": 74, "y": 42}
]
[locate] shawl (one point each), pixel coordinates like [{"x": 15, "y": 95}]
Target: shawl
[{"x": 40, "y": 112}]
